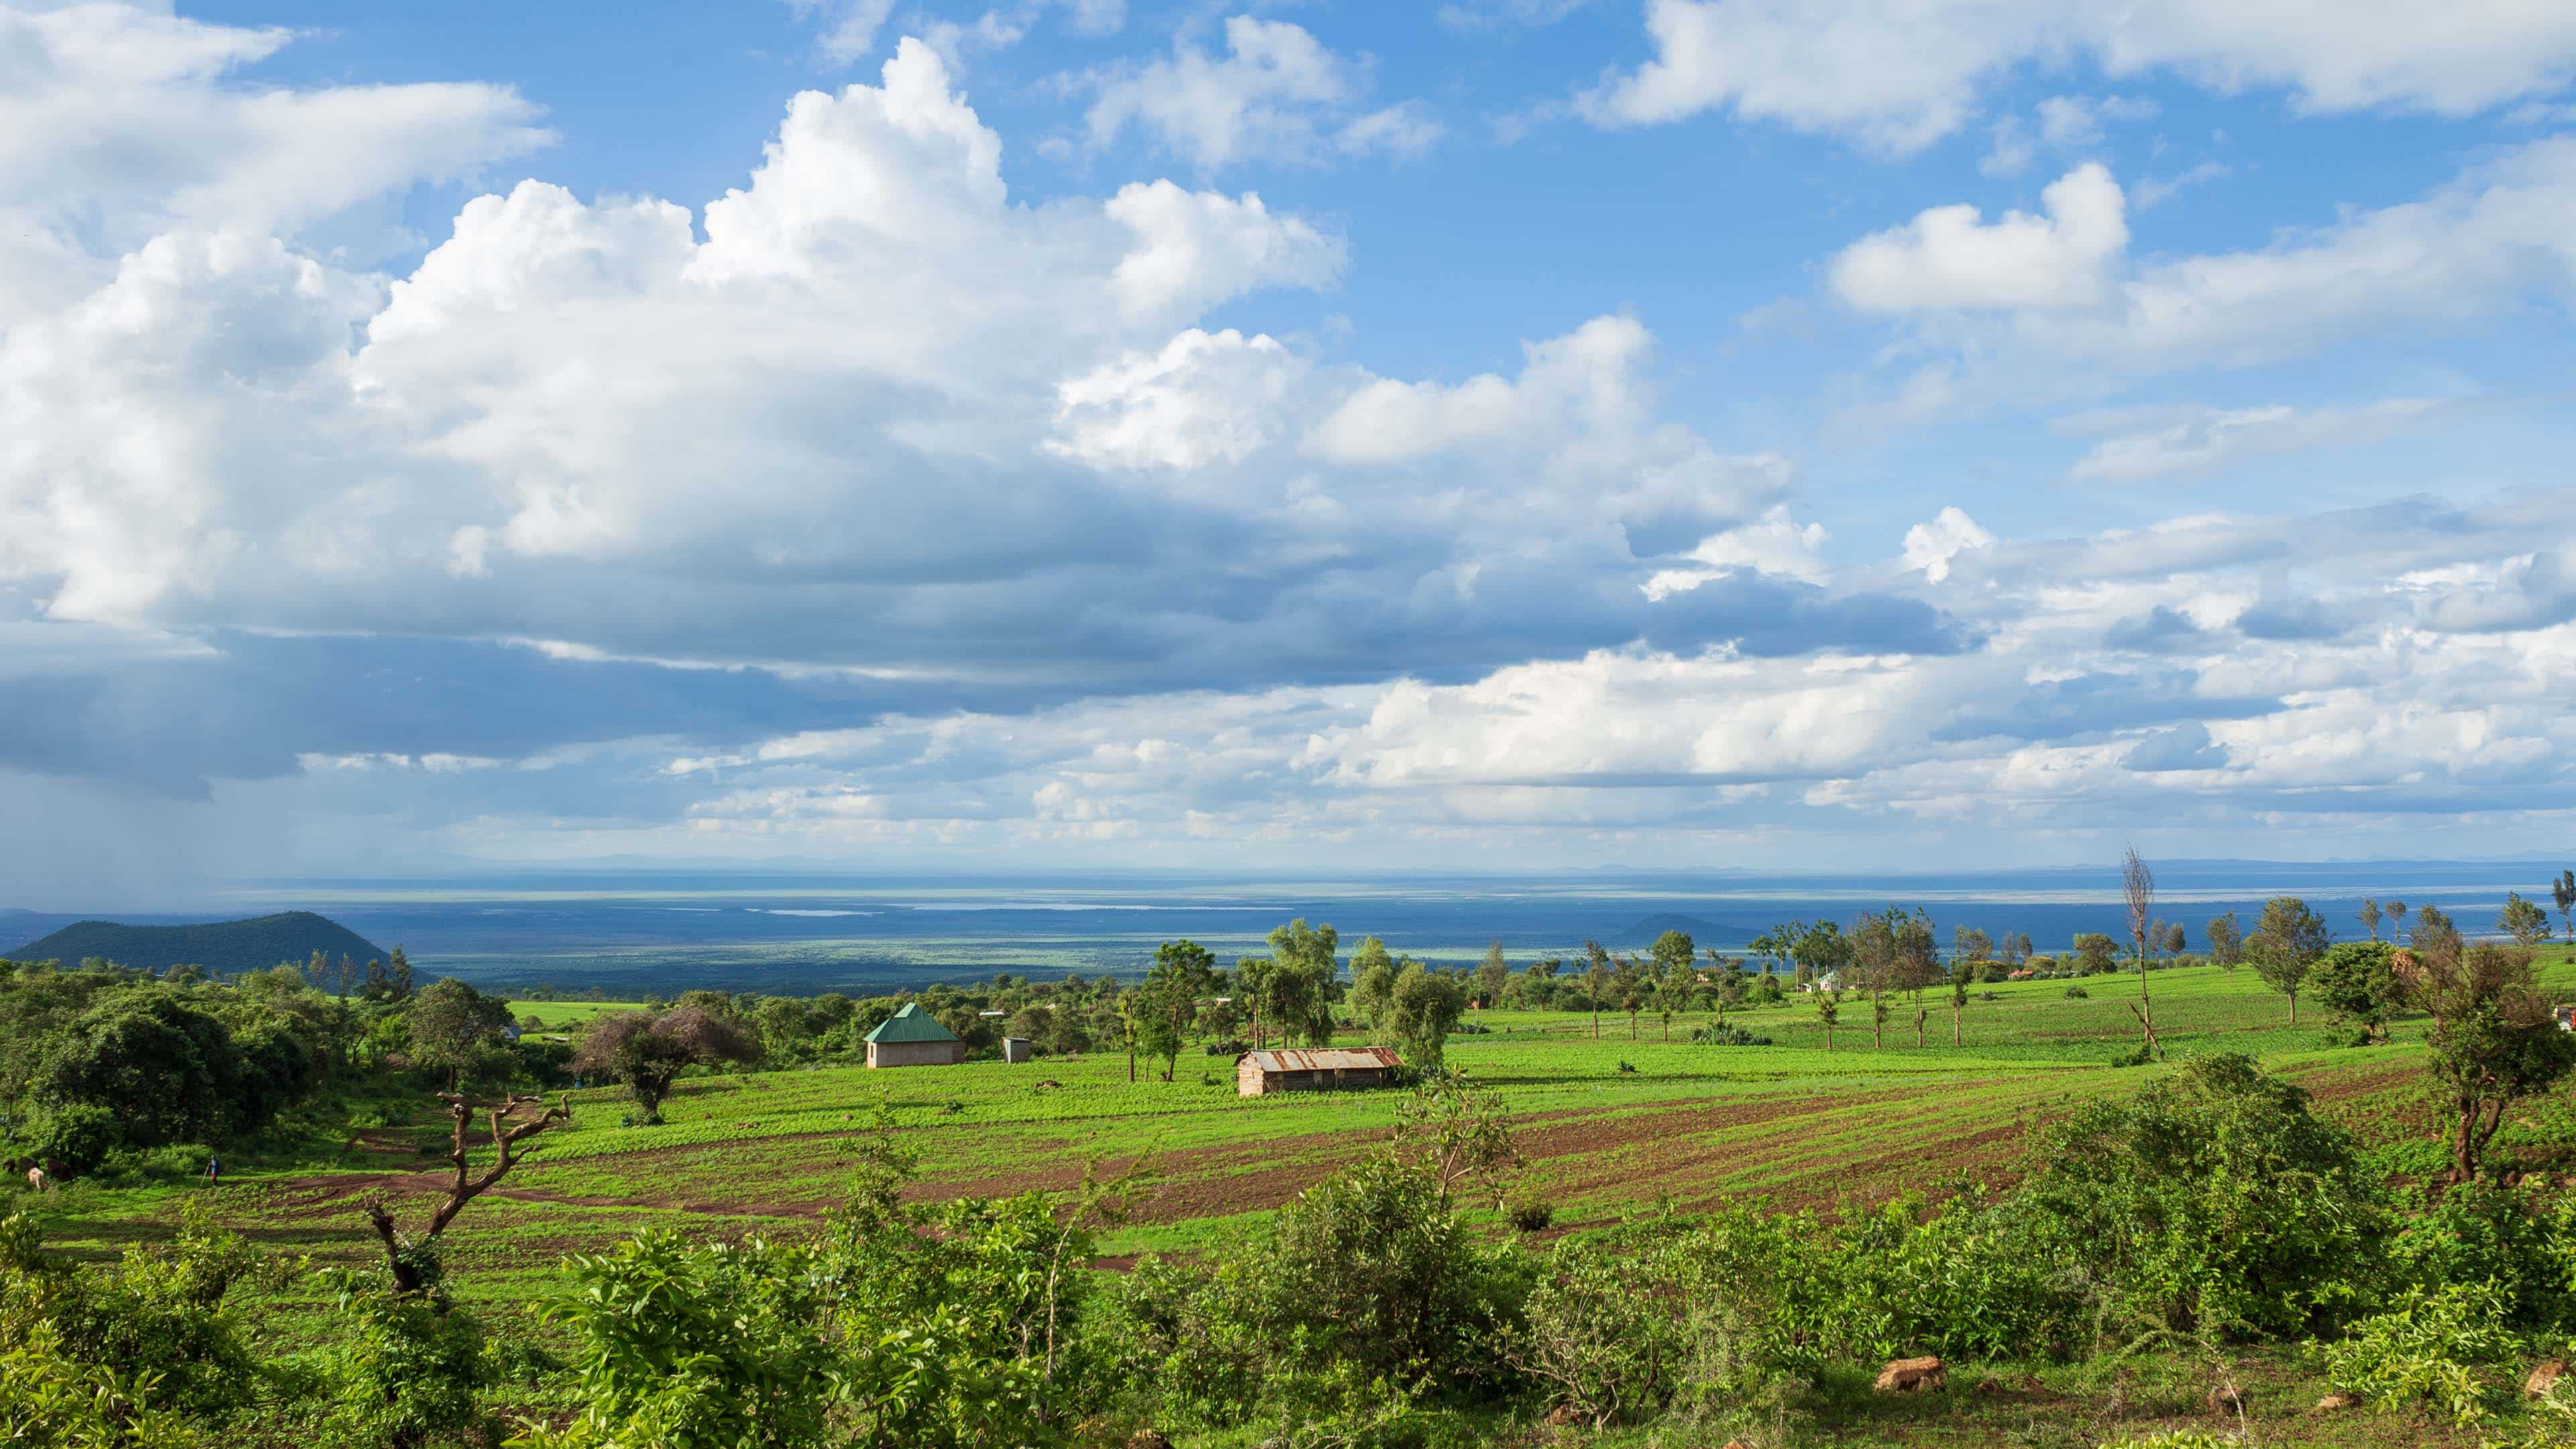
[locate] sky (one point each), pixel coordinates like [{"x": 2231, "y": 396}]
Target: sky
[{"x": 1502, "y": 434}]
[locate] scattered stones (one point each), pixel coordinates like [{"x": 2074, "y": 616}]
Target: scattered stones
[
  {"x": 1911, "y": 1376},
  {"x": 2545, "y": 1378},
  {"x": 2337, "y": 1402}
]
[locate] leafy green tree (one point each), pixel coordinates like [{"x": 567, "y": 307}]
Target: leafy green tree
[
  {"x": 1372, "y": 980},
  {"x": 1918, "y": 953},
  {"x": 1822, "y": 949},
  {"x": 1673, "y": 953},
  {"x": 1963, "y": 974},
  {"x": 163, "y": 1072},
  {"x": 2494, "y": 1040},
  {"x": 1492, "y": 975},
  {"x": 2358, "y": 980},
  {"x": 1298, "y": 991},
  {"x": 1183, "y": 975},
  {"x": 2526, "y": 923},
  {"x": 1597, "y": 982},
  {"x": 2286, "y": 944},
  {"x": 2096, "y": 954},
  {"x": 649, "y": 1050},
  {"x": 2562, "y": 894},
  {"x": 2370, "y": 918},
  {"x": 1423, "y": 1007},
  {"x": 1829, "y": 1006},
  {"x": 458, "y": 1030},
  {"x": 2226, "y": 941},
  {"x": 1967, "y": 943}
]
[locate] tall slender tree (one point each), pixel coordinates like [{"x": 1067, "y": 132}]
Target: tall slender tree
[
  {"x": 1596, "y": 982},
  {"x": 2562, "y": 893},
  {"x": 2138, "y": 891},
  {"x": 2370, "y": 918}
]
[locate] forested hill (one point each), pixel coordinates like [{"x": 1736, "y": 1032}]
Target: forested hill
[{"x": 223, "y": 946}]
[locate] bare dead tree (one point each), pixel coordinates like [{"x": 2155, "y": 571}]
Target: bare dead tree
[
  {"x": 510, "y": 1125},
  {"x": 2138, "y": 889}
]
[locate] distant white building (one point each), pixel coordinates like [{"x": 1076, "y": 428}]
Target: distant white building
[{"x": 1829, "y": 981}]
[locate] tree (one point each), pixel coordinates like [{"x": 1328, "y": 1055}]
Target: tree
[
  {"x": 2494, "y": 1039},
  {"x": 142, "y": 1070},
  {"x": 2096, "y": 954},
  {"x": 1967, "y": 943},
  {"x": 2359, "y": 981},
  {"x": 2562, "y": 893},
  {"x": 2434, "y": 935},
  {"x": 2226, "y": 942},
  {"x": 1183, "y": 974},
  {"x": 1673, "y": 953},
  {"x": 2397, "y": 919},
  {"x": 1963, "y": 973},
  {"x": 1423, "y": 1009},
  {"x": 2286, "y": 943},
  {"x": 2138, "y": 892},
  {"x": 648, "y": 1050},
  {"x": 513, "y": 1120},
  {"x": 1252, "y": 983},
  {"x": 1822, "y": 948},
  {"x": 2526, "y": 923},
  {"x": 456, "y": 1029},
  {"x": 1372, "y": 979},
  {"x": 1596, "y": 982},
  {"x": 2370, "y": 918},
  {"x": 1492, "y": 975},
  {"x": 389, "y": 984},
  {"x": 1300, "y": 991},
  {"x": 1829, "y": 1005},
  {"x": 2176, "y": 941}
]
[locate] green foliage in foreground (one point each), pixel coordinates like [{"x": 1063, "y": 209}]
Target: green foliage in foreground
[{"x": 2206, "y": 1212}]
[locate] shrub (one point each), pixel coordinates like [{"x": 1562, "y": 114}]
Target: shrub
[
  {"x": 1605, "y": 1351},
  {"x": 2210, "y": 1201},
  {"x": 2077, "y": 993},
  {"x": 1371, "y": 1266},
  {"x": 1532, "y": 1214},
  {"x": 1728, "y": 1036},
  {"x": 2520, "y": 1242},
  {"x": 2429, "y": 1350},
  {"x": 406, "y": 1370}
]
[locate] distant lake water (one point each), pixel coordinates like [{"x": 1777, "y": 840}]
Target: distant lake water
[{"x": 630, "y": 932}]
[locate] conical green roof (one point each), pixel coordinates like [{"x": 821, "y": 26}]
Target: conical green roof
[{"x": 911, "y": 1024}]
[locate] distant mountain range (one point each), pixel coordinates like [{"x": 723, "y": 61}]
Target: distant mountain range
[{"x": 222, "y": 946}]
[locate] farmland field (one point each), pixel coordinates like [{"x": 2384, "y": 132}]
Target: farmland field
[
  {"x": 1613, "y": 1118},
  {"x": 1611, "y": 1125}
]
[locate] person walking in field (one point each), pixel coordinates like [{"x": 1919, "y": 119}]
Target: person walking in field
[{"x": 214, "y": 1170}]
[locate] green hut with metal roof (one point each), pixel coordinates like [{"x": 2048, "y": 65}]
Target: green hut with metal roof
[{"x": 913, "y": 1037}]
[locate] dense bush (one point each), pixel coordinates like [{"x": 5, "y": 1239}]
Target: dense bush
[{"x": 2212, "y": 1200}]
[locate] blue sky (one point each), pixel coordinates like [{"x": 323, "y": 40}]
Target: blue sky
[{"x": 1512, "y": 433}]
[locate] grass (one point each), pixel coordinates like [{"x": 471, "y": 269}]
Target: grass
[{"x": 1612, "y": 1125}]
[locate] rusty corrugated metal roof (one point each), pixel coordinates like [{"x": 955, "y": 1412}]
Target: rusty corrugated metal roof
[{"x": 1326, "y": 1059}]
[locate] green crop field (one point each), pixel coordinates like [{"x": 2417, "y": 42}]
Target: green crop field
[{"x": 1612, "y": 1124}]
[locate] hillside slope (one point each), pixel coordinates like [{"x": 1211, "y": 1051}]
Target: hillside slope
[{"x": 225, "y": 946}]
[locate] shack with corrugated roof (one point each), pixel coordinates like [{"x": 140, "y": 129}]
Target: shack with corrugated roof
[
  {"x": 913, "y": 1037},
  {"x": 1318, "y": 1069}
]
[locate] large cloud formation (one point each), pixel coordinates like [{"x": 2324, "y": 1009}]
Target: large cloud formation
[{"x": 869, "y": 507}]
